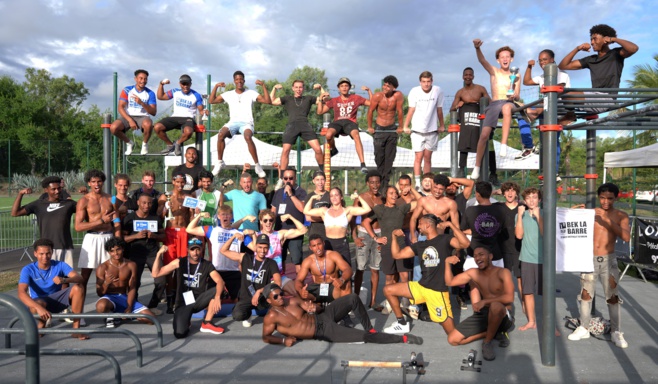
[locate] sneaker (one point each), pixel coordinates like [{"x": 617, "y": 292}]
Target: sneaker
[
  {"x": 397, "y": 328},
  {"x": 167, "y": 150},
  {"x": 461, "y": 302},
  {"x": 333, "y": 152},
  {"x": 493, "y": 179},
  {"x": 49, "y": 323},
  {"x": 129, "y": 148},
  {"x": 177, "y": 150},
  {"x": 218, "y": 167},
  {"x": 558, "y": 178},
  {"x": 145, "y": 149},
  {"x": 247, "y": 323},
  {"x": 488, "y": 351},
  {"x": 579, "y": 334},
  {"x": 259, "y": 171},
  {"x": 618, "y": 339},
  {"x": 475, "y": 174},
  {"x": 503, "y": 339},
  {"x": 211, "y": 328},
  {"x": 503, "y": 150},
  {"x": 536, "y": 149},
  {"x": 527, "y": 152},
  {"x": 278, "y": 185},
  {"x": 413, "y": 311},
  {"x": 364, "y": 170},
  {"x": 413, "y": 339},
  {"x": 111, "y": 322},
  {"x": 66, "y": 319}
]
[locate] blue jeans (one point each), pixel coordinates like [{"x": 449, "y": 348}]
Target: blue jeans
[{"x": 526, "y": 139}]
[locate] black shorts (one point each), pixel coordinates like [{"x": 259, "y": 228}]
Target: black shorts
[
  {"x": 177, "y": 122},
  {"x": 139, "y": 120},
  {"x": 344, "y": 127},
  {"x": 314, "y": 289},
  {"x": 341, "y": 246},
  {"x": 531, "y": 278},
  {"x": 295, "y": 248},
  {"x": 477, "y": 323},
  {"x": 297, "y": 129},
  {"x": 390, "y": 266}
]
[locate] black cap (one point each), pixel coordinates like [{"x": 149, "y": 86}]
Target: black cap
[
  {"x": 185, "y": 79},
  {"x": 318, "y": 173},
  {"x": 344, "y": 80},
  {"x": 269, "y": 288},
  {"x": 263, "y": 239}
]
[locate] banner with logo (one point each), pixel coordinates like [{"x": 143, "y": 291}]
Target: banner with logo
[
  {"x": 575, "y": 240},
  {"x": 646, "y": 241}
]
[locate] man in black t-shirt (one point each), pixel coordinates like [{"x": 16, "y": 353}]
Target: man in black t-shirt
[
  {"x": 431, "y": 288},
  {"x": 195, "y": 291},
  {"x": 257, "y": 272},
  {"x": 297, "y": 106},
  {"x": 317, "y": 225},
  {"x": 191, "y": 170},
  {"x": 289, "y": 200},
  {"x": 53, "y": 217},
  {"x": 143, "y": 243}
]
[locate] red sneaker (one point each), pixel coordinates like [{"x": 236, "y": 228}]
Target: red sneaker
[{"x": 211, "y": 328}]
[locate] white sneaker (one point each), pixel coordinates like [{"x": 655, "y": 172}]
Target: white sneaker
[
  {"x": 247, "y": 323},
  {"x": 279, "y": 185},
  {"x": 618, "y": 339},
  {"x": 110, "y": 323},
  {"x": 259, "y": 171},
  {"x": 397, "y": 328},
  {"x": 503, "y": 150},
  {"x": 579, "y": 334},
  {"x": 129, "y": 148},
  {"x": 145, "y": 149},
  {"x": 66, "y": 319},
  {"x": 475, "y": 174},
  {"x": 218, "y": 167}
]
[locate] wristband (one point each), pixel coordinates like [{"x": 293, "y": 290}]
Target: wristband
[{"x": 116, "y": 220}]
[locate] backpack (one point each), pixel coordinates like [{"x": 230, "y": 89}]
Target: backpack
[{"x": 598, "y": 326}]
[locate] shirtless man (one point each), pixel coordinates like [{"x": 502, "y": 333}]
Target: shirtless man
[
  {"x": 436, "y": 204},
  {"x": 116, "y": 285},
  {"x": 467, "y": 101},
  {"x": 95, "y": 214},
  {"x": 176, "y": 218},
  {"x": 324, "y": 267},
  {"x": 387, "y": 103},
  {"x": 367, "y": 249},
  {"x": 609, "y": 224},
  {"x": 490, "y": 318},
  {"x": 501, "y": 101},
  {"x": 296, "y": 319}
]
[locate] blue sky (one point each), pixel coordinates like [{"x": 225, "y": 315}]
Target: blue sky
[{"x": 364, "y": 40}]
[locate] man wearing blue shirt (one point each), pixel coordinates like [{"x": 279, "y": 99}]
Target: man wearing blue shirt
[{"x": 246, "y": 202}]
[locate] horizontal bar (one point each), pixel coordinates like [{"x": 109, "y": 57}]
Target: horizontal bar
[
  {"x": 373, "y": 364},
  {"x": 633, "y": 90}
]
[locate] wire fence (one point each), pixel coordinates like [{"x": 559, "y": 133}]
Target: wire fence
[{"x": 21, "y": 232}]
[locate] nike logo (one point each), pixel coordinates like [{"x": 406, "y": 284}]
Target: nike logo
[{"x": 54, "y": 207}]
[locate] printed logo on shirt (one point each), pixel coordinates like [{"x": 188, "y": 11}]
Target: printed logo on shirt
[
  {"x": 486, "y": 225},
  {"x": 257, "y": 276},
  {"x": 431, "y": 257},
  {"x": 53, "y": 207},
  {"x": 191, "y": 281}
]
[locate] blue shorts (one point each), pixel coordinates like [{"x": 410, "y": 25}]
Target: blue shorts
[
  {"x": 120, "y": 302},
  {"x": 239, "y": 127}
]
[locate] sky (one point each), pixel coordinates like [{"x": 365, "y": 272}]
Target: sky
[{"x": 363, "y": 40}]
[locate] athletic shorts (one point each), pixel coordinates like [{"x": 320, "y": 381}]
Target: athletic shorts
[
  {"x": 438, "y": 303},
  {"x": 65, "y": 255},
  {"x": 594, "y": 107},
  {"x": 341, "y": 246},
  {"x": 176, "y": 242},
  {"x": 477, "y": 323},
  {"x": 298, "y": 129},
  {"x": 424, "y": 141},
  {"x": 531, "y": 278},
  {"x": 92, "y": 252},
  {"x": 177, "y": 122},
  {"x": 368, "y": 256},
  {"x": 314, "y": 289},
  {"x": 139, "y": 120},
  {"x": 56, "y": 302},
  {"x": 493, "y": 111},
  {"x": 120, "y": 303},
  {"x": 343, "y": 127},
  {"x": 469, "y": 263},
  {"x": 239, "y": 127},
  {"x": 295, "y": 248}
]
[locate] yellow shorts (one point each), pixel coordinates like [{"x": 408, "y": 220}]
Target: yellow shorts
[{"x": 438, "y": 303}]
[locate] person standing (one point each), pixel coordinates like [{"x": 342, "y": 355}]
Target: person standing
[
  {"x": 246, "y": 202},
  {"x": 191, "y": 170}
]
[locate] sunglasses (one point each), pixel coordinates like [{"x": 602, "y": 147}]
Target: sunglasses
[
  {"x": 268, "y": 220},
  {"x": 288, "y": 178},
  {"x": 185, "y": 83},
  {"x": 275, "y": 296}
]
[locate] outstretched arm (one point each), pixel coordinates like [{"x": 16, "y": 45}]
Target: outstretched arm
[
  {"x": 226, "y": 251},
  {"x": 265, "y": 97},
  {"x": 275, "y": 100},
  {"x": 214, "y": 98},
  {"x": 568, "y": 63},
  {"x": 477, "y": 43},
  {"x": 527, "y": 75}
]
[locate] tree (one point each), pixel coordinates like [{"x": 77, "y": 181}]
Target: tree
[{"x": 645, "y": 76}]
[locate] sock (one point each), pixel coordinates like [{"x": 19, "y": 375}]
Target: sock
[
  {"x": 476, "y": 173},
  {"x": 402, "y": 321},
  {"x": 206, "y": 321},
  {"x": 417, "y": 178},
  {"x": 363, "y": 165}
]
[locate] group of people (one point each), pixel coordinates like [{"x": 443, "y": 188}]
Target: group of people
[{"x": 424, "y": 239}]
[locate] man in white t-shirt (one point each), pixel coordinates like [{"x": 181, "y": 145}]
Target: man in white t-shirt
[
  {"x": 187, "y": 102},
  {"x": 136, "y": 105},
  {"x": 241, "y": 121},
  {"x": 425, "y": 113}
]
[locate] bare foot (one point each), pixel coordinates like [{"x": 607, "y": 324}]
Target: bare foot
[
  {"x": 530, "y": 325},
  {"x": 557, "y": 333},
  {"x": 80, "y": 336}
]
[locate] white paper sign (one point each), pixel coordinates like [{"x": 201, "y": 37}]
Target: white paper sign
[
  {"x": 575, "y": 240},
  {"x": 140, "y": 225},
  {"x": 191, "y": 202}
]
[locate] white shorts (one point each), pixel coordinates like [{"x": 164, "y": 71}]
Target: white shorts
[
  {"x": 239, "y": 127},
  {"x": 92, "y": 253},
  {"x": 424, "y": 141},
  {"x": 65, "y": 255},
  {"x": 595, "y": 107},
  {"x": 469, "y": 263}
]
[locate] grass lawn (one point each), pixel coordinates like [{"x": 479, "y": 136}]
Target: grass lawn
[{"x": 8, "y": 280}]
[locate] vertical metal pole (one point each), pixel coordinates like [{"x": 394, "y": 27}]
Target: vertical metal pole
[
  {"x": 115, "y": 143},
  {"x": 208, "y": 134},
  {"x": 198, "y": 136},
  {"x": 484, "y": 165},
  {"x": 590, "y": 169},
  {"x": 454, "y": 144},
  {"x": 299, "y": 160},
  {"x": 107, "y": 153},
  {"x": 633, "y": 202},
  {"x": 32, "y": 370},
  {"x": 549, "y": 152}
]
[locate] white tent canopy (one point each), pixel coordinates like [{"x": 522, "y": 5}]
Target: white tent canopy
[{"x": 633, "y": 158}]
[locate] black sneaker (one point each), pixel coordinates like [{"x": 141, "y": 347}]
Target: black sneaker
[
  {"x": 412, "y": 339},
  {"x": 503, "y": 339},
  {"x": 168, "y": 149},
  {"x": 112, "y": 323},
  {"x": 488, "y": 351},
  {"x": 177, "y": 150},
  {"x": 333, "y": 152},
  {"x": 493, "y": 179},
  {"x": 461, "y": 302},
  {"x": 527, "y": 152}
]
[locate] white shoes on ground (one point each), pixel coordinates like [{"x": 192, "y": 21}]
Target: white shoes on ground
[
  {"x": 397, "y": 328},
  {"x": 579, "y": 334}
]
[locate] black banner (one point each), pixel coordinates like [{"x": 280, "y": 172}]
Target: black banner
[{"x": 646, "y": 241}]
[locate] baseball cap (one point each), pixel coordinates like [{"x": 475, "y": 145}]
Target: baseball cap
[
  {"x": 194, "y": 243},
  {"x": 263, "y": 239},
  {"x": 185, "y": 79},
  {"x": 344, "y": 80},
  {"x": 318, "y": 173},
  {"x": 269, "y": 288}
]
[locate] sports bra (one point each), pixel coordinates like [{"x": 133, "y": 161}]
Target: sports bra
[{"x": 340, "y": 221}]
